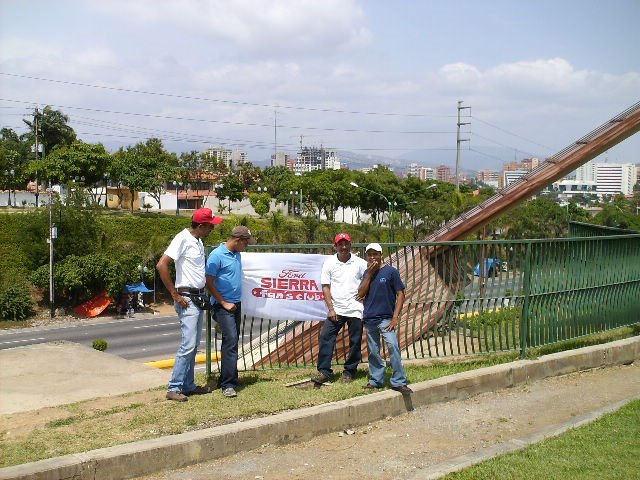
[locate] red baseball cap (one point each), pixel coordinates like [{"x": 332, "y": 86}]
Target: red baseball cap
[
  {"x": 342, "y": 236},
  {"x": 205, "y": 215}
]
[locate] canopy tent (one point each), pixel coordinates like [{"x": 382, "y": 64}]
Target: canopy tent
[{"x": 137, "y": 287}]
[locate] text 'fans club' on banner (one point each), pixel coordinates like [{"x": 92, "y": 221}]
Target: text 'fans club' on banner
[{"x": 283, "y": 286}]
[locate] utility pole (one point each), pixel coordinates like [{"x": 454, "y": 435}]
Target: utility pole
[
  {"x": 458, "y": 140},
  {"x": 35, "y": 125},
  {"x": 275, "y": 137},
  {"x": 53, "y": 234}
]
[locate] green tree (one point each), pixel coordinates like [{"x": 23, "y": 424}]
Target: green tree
[
  {"x": 277, "y": 181},
  {"x": 14, "y": 155},
  {"x": 53, "y": 129},
  {"x": 277, "y": 224},
  {"x": 68, "y": 162},
  {"x": 249, "y": 175},
  {"x": 261, "y": 203},
  {"x": 232, "y": 189},
  {"x": 145, "y": 167},
  {"x": 539, "y": 218}
]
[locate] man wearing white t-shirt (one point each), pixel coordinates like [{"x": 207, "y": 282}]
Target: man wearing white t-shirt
[
  {"x": 186, "y": 250},
  {"x": 341, "y": 276}
]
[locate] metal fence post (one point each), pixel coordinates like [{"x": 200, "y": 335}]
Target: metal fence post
[
  {"x": 524, "y": 317},
  {"x": 208, "y": 351}
]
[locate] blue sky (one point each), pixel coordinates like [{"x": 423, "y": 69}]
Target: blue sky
[{"x": 537, "y": 74}]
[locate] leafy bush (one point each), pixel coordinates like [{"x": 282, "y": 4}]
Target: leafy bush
[
  {"x": 80, "y": 278},
  {"x": 16, "y": 302},
  {"x": 100, "y": 344},
  {"x": 491, "y": 318}
]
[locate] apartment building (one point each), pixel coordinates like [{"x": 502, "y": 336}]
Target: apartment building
[
  {"x": 230, "y": 158},
  {"x": 611, "y": 178},
  {"x": 489, "y": 177},
  {"x": 511, "y": 176},
  {"x": 443, "y": 173},
  {"x": 314, "y": 158}
]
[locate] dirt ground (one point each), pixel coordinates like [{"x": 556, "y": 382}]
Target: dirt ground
[
  {"x": 415, "y": 444},
  {"x": 19, "y": 425}
]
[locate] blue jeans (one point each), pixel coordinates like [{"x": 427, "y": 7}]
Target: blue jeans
[
  {"x": 328, "y": 336},
  {"x": 230, "y": 324},
  {"x": 377, "y": 364},
  {"x": 182, "y": 378}
]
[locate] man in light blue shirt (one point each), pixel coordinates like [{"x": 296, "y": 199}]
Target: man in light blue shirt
[{"x": 224, "y": 282}]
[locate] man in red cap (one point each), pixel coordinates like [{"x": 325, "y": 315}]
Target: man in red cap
[
  {"x": 340, "y": 277},
  {"x": 186, "y": 250}
]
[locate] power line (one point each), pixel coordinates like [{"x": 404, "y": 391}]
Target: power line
[
  {"x": 486, "y": 154},
  {"x": 217, "y": 100},
  {"x": 226, "y": 122},
  {"x": 502, "y": 144},
  {"x": 513, "y": 134}
]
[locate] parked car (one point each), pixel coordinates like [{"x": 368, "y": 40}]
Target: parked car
[{"x": 491, "y": 267}]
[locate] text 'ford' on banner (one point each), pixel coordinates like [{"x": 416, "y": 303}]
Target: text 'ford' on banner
[{"x": 283, "y": 286}]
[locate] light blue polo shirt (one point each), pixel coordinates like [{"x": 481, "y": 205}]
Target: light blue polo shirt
[{"x": 226, "y": 267}]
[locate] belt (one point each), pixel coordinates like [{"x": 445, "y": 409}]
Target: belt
[{"x": 192, "y": 291}]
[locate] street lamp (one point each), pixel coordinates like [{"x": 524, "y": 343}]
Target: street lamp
[
  {"x": 142, "y": 269},
  {"x": 218, "y": 187},
  {"x": 293, "y": 195},
  {"x": 11, "y": 172},
  {"x": 177, "y": 185},
  {"x": 106, "y": 178},
  {"x": 389, "y": 204}
]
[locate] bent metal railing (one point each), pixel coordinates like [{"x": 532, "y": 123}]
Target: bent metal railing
[{"x": 477, "y": 297}]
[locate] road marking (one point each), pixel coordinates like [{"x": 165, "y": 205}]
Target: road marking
[
  {"x": 22, "y": 341},
  {"x": 155, "y": 325}
]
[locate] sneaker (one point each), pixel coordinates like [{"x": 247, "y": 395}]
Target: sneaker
[
  {"x": 403, "y": 390},
  {"x": 199, "y": 390},
  {"x": 320, "y": 379},
  {"x": 176, "y": 396},
  {"x": 229, "y": 392},
  {"x": 347, "y": 379}
]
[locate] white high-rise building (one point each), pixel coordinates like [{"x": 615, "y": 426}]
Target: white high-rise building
[
  {"x": 231, "y": 158},
  {"x": 412, "y": 169},
  {"x": 313, "y": 158},
  {"x": 512, "y": 176},
  {"x": 611, "y": 178}
]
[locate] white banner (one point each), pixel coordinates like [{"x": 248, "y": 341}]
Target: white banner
[{"x": 283, "y": 286}]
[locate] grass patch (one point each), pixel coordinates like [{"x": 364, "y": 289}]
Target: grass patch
[
  {"x": 149, "y": 415},
  {"x": 144, "y": 415},
  {"x": 586, "y": 341},
  {"x": 606, "y": 448}
]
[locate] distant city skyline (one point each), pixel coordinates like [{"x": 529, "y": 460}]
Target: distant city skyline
[{"x": 379, "y": 79}]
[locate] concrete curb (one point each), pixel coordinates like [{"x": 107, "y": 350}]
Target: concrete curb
[
  {"x": 176, "y": 451},
  {"x": 164, "y": 364}
]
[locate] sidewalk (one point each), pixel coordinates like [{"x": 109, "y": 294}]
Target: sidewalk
[{"x": 457, "y": 406}]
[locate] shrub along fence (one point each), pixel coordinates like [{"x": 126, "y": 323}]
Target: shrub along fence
[{"x": 473, "y": 297}]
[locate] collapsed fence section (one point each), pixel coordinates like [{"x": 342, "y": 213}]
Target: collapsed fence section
[{"x": 475, "y": 297}]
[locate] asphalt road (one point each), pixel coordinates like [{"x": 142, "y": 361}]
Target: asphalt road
[{"x": 145, "y": 338}]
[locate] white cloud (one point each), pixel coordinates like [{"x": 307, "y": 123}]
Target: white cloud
[
  {"x": 548, "y": 78},
  {"x": 261, "y": 26}
]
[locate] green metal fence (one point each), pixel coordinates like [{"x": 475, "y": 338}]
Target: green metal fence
[{"x": 478, "y": 297}]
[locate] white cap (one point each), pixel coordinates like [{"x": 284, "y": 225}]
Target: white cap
[{"x": 373, "y": 246}]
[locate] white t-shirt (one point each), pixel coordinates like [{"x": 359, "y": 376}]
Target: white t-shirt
[
  {"x": 187, "y": 252},
  {"x": 344, "y": 279}
]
